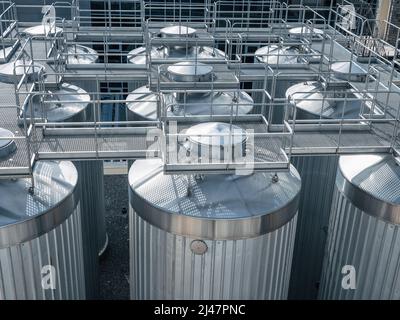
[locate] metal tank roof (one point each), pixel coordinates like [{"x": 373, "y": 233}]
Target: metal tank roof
[
  {"x": 214, "y": 142},
  {"x": 177, "y": 31},
  {"x": 277, "y": 54},
  {"x": 138, "y": 55},
  {"x": 187, "y": 71},
  {"x": 213, "y": 206},
  {"x": 305, "y": 31},
  {"x": 13, "y": 71},
  {"x": 78, "y": 54},
  {"x": 143, "y": 103},
  {"x": 372, "y": 183},
  {"x": 348, "y": 71},
  {"x": 67, "y": 101},
  {"x": 309, "y": 99},
  {"x": 201, "y": 133},
  {"x": 7, "y": 145},
  {"x": 25, "y": 216},
  {"x": 42, "y": 30}
]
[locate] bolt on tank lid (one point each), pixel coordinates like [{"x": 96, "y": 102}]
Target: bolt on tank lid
[
  {"x": 7, "y": 144},
  {"x": 215, "y": 141},
  {"x": 216, "y": 134},
  {"x": 190, "y": 72},
  {"x": 348, "y": 70},
  {"x": 14, "y": 70},
  {"x": 372, "y": 183},
  {"x": 178, "y": 31},
  {"x": 305, "y": 31}
]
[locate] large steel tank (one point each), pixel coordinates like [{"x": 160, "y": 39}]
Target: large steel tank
[
  {"x": 76, "y": 54},
  {"x": 211, "y": 236},
  {"x": 363, "y": 249},
  {"x": 185, "y": 52},
  {"x": 91, "y": 175},
  {"x": 173, "y": 52},
  {"x": 41, "y": 245},
  {"x": 142, "y": 103},
  {"x": 277, "y": 57},
  {"x": 318, "y": 177},
  {"x": 12, "y": 72}
]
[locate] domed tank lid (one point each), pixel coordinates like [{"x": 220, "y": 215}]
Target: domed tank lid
[
  {"x": 58, "y": 110},
  {"x": 138, "y": 55},
  {"x": 14, "y": 70},
  {"x": 372, "y": 183},
  {"x": 349, "y": 71},
  {"x": 42, "y": 30},
  {"x": 190, "y": 71},
  {"x": 213, "y": 206},
  {"x": 25, "y": 215},
  {"x": 78, "y": 54},
  {"x": 7, "y": 146},
  {"x": 274, "y": 54},
  {"x": 143, "y": 103},
  {"x": 216, "y": 134},
  {"x": 305, "y": 31},
  {"x": 309, "y": 97},
  {"x": 178, "y": 31},
  {"x": 215, "y": 142}
]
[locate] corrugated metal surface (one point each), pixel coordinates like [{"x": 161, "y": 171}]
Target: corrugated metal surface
[
  {"x": 21, "y": 265},
  {"x": 318, "y": 182},
  {"x": 91, "y": 184},
  {"x": 164, "y": 267},
  {"x": 369, "y": 244}
]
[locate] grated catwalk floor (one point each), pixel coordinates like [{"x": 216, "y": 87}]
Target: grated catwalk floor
[{"x": 114, "y": 264}]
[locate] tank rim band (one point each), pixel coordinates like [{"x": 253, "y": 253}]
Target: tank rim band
[
  {"x": 367, "y": 202},
  {"x": 213, "y": 229},
  {"x": 29, "y": 229}
]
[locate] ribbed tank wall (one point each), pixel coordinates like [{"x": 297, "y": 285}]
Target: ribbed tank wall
[
  {"x": 21, "y": 265},
  {"x": 318, "y": 182},
  {"x": 369, "y": 244},
  {"x": 91, "y": 184},
  {"x": 164, "y": 267}
]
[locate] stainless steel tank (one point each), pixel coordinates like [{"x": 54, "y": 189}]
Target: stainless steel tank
[
  {"x": 139, "y": 55},
  {"x": 275, "y": 56},
  {"x": 211, "y": 236},
  {"x": 348, "y": 71},
  {"x": 318, "y": 177},
  {"x": 363, "y": 249},
  {"x": 142, "y": 103},
  {"x": 42, "y": 30},
  {"x": 76, "y": 54},
  {"x": 308, "y": 32},
  {"x": 91, "y": 175},
  {"x": 41, "y": 245},
  {"x": 12, "y": 72}
]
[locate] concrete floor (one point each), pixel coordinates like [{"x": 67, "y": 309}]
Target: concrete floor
[{"x": 114, "y": 264}]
